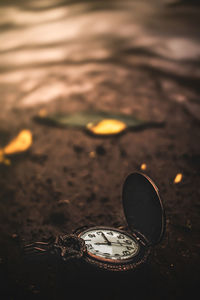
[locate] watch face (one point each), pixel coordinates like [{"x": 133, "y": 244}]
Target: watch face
[{"x": 110, "y": 244}]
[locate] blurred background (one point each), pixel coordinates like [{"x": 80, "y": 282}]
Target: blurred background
[
  {"x": 139, "y": 58},
  {"x": 59, "y": 50}
]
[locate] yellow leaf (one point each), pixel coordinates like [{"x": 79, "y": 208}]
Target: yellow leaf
[
  {"x": 178, "y": 178},
  {"x": 107, "y": 127},
  {"x": 19, "y": 144}
]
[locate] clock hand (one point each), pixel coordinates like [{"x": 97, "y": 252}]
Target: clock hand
[
  {"x": 111, "y": 243},
  {"x": 120, "y": 244},
  {"x": 101, "y": 243},
  {"x": 106, "y": 239}
]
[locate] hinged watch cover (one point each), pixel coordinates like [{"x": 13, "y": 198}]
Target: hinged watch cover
[{"x": 143, "y": 208}]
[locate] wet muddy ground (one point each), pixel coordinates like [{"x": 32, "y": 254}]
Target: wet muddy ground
[{"x": 139, "y": 58}]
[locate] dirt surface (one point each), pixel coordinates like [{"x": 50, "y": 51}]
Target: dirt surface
[{"x": 69, "y": 179}]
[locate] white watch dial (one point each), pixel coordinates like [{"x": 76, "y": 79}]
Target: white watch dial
[{"x": 110, "y": 244}]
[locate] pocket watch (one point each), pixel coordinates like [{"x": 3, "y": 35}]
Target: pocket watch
[{"x": 112, "y": 248}]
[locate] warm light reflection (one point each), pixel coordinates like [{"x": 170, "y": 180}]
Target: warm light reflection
[
  {"x": 16, "y": 16},
  {"x": 72, "y": 36},
  {"x": 53, "y": 91}
]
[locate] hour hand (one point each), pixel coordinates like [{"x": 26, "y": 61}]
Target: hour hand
[{"x": 106, "y": 239}]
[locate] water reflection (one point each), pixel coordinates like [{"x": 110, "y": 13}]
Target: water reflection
[{"x": 55, "y": 49}]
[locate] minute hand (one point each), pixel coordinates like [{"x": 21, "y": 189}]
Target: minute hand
[{"x": 117, "y": 244}]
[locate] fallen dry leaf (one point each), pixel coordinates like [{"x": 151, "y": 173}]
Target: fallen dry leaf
[
  {"x": 98, "y": 123},
  {"x": 19, "y": 144},
  {"x": 178, "y": 178},
  {"x": 107, "y": 127}
]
